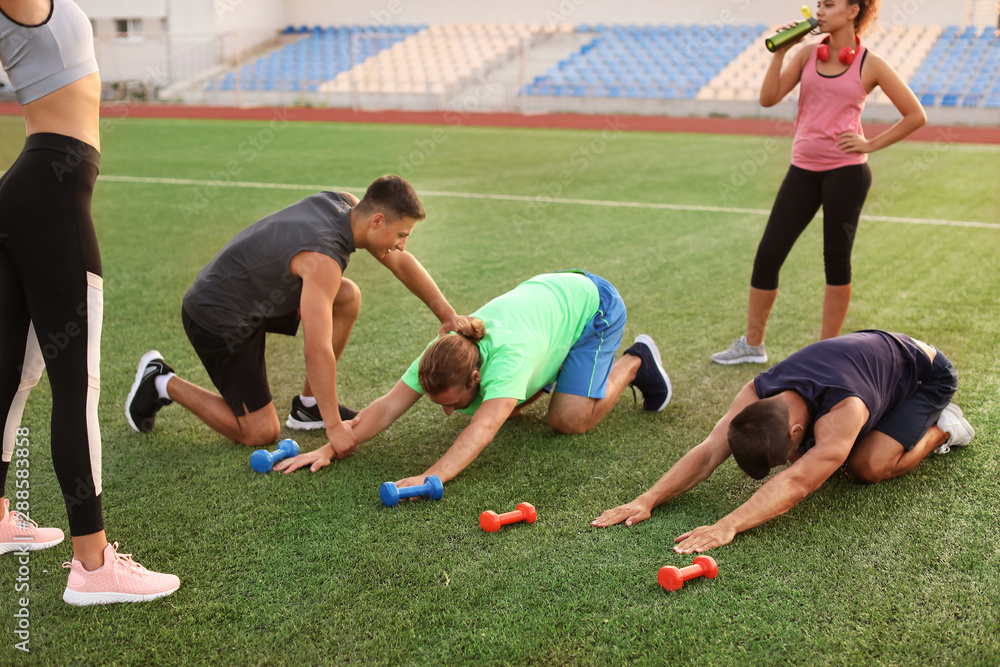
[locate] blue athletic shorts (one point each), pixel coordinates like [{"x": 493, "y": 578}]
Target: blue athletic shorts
[
  {"x": 908, "y": 423},
  {"x": 587, "y": 366}
]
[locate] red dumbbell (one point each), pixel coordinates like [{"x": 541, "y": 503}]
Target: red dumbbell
[
  {"x": 673, "y": 578},
  {"x": 491, "y": 521}
]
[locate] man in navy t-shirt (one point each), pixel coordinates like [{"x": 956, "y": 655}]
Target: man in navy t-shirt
[{"x": 877, "y": 401}]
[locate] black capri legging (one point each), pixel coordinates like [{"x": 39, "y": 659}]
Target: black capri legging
[
  {"x": 842, "y": 193},
  {"x": 51, "y": 307}
]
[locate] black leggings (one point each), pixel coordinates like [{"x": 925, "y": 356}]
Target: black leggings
[
  {"x": 842, "y": 193},
  {"x": 51, "y": 307}
]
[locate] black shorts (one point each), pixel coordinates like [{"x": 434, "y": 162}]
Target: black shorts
[
  {"x": 237, "y": 371},
  {"x": 908, "y": 423}
]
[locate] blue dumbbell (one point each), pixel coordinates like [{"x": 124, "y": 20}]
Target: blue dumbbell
[
  {"x": 431, "y": 487},
  {"x": 262, "y": 460}
]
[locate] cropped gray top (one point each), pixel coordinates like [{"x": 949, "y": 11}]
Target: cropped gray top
[{"x": 40, "y": 59}]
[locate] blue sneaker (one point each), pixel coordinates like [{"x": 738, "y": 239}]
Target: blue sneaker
[{"x": 650, "y": 379}]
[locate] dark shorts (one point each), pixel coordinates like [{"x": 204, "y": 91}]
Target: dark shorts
[
  {"x": 587, "y": 366},
  {"x": 237, "y": 369},
  {"x": 908, "y": 423}
]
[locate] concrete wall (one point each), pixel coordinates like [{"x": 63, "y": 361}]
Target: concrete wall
[{"x": 312, "y": 12}]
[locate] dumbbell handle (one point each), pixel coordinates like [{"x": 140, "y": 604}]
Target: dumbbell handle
[
  {"x": 692, "y": 572},
  {"x": 413, "y": 491},
  {"x": 513, "y": 517}
]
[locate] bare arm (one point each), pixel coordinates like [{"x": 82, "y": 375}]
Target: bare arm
[
  {"x": 692, "y": 469},
  {"x": 879, "y": 73},
  {"x": 780, "y": 80},
  {"x": 371, "y": 421},
  {"x": 321, "y": 278},
  {"x": 411, "y": 273},
  {"x": 471, "y": 441},
  {"x": 835, "y": 435}
]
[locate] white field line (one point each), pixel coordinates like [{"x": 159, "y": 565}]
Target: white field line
[{"x": 524, "y": 198}]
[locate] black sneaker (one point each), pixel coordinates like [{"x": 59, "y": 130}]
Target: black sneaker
[
  {"x": 306, "y": 419},
  {"x": 650, "y": 379},
  {"x": 144, "y": 401}
]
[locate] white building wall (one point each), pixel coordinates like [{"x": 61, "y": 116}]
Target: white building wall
[{"x": 179, "y": 38}]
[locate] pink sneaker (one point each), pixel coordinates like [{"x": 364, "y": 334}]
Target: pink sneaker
[
  {"x": 120, "y": 579},
  {"x": 19, "y": 533}
]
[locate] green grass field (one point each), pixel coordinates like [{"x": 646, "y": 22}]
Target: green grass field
[{"x": 311, "y": 569}]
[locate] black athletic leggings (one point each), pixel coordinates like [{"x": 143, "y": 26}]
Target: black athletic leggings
[
  {"x": 842, "y": 193},
  {"x": 51, "y": 306}
]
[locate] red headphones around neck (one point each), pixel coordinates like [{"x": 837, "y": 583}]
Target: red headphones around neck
[{"x": 846, "y": 54}]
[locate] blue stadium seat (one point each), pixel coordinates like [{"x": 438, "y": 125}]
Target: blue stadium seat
[
  {"x": 971, "y": 100},
  {"x": 927, "y": 99},
  {"x": 992, "y": 101},
  {"x": 949, "y": 100}
]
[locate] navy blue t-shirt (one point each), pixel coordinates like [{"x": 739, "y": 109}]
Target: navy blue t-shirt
[{"x": 882, "y": 369}]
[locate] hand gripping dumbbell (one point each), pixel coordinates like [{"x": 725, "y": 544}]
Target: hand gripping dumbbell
[
  {"x": 491, "y": 521},
  {"x": 390, "y": 495},
  {"x": 673, "y": 578},
  {"x": 262, "y": 460}
]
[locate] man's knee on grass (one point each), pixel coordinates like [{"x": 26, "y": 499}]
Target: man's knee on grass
[
  {"x": 866, "y": 470},
  {"x": 875, "y": 458},
  {"x": 260, "y": 428},
  {"x": 570, "y": 415}
]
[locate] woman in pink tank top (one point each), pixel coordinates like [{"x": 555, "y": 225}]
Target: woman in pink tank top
[{"x": 829, "y": 161}]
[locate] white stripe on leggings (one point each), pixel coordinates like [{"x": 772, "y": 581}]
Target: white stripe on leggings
[
  {"x": 95, "y": 315},
  {"x": 31, "y": 372}
]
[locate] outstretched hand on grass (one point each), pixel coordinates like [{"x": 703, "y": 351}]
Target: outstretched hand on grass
[
  {"x": 322, "y": 457},
  {"x": 630, "y": 513},
  {"x": 704, "y": 538}
]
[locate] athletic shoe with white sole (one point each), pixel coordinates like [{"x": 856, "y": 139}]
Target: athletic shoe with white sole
[
  {"x": 19, "y": 533},
  {"x": 143, "y": 400},
  {"x": 959, "y": 430},
  {"x": 305, "y": 418},
  {"x": 650, "y": 379},
  {"x": 120, "y": 579},
  {"x": 741, "y": 352}
]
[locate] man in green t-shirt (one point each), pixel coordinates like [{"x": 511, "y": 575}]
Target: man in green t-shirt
[{"x": 556, "y": 328}]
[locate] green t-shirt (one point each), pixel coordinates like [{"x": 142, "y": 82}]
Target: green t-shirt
[{"x": 529, "y": 331}]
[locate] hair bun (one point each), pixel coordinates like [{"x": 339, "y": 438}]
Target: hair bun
[{"x": 472, "y": 328}]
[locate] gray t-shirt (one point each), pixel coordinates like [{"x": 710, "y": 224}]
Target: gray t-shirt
[{"x": 249, "y": 282}]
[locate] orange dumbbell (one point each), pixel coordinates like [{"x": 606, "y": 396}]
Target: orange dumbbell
[
  {"x": 491, "y": 521},
  {"x": 673, "y": 578}
]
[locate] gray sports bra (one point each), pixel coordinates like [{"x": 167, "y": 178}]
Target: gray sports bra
[{"x": 43, "y": 58}]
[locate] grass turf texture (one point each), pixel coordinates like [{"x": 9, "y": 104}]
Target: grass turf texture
[{"x": 310, "y": 568}]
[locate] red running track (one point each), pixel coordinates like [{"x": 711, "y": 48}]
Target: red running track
[{"x": 745, "y": 126}]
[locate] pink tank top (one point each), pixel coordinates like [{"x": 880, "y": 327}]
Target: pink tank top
[{"x": 828, "y": 106}]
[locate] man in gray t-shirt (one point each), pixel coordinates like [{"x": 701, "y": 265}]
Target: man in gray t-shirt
[{"x": 285, "y": 269}]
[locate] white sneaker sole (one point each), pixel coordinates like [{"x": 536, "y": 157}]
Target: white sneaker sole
[
  {"x": 16, "y": 547},
  {"x": 755, "y": 359},
  {"x": 303, "y": 426},
  {"x": 78, "y": 599},
  {"x": 648, "y": 342},
  {"x": 146, "y": 358},
  {"x": 963, "y": 440}
]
